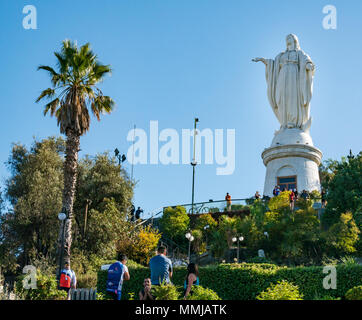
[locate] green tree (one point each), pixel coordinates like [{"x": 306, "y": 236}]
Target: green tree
[
  {"x": 72, "y": 94},
  {"x": 301, "y": 241},
  {"x": 343, "y": 235},
  {"x": 28, "y": 230},
  {"x": 34, "y": 190},
  {"x": 174, "y": 223},
  {"x": 345, "y": 191},
  {"x": 2, "y": 205},
  {"x": 99, "y": 178},
  {"x": 252, "y": 233},
  {"x": 227, "y": 227},
  {"x": 327, "y": 170},
  {"x": 139, "y": 244},
  {"x": 205, "y": 220},
  {"x": 198, "y": 245}
]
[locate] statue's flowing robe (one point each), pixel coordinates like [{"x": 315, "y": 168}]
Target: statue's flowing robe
[{"x": 290, "y": 88}]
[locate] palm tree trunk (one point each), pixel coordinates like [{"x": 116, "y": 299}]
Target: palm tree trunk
[{"x": 70, "y": 179}]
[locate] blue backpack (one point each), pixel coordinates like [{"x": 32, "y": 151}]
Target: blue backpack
[{"x": 115, "y": 273}]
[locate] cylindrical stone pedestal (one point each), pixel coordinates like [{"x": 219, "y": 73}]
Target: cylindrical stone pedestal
[{"x": 291, "y": 162}]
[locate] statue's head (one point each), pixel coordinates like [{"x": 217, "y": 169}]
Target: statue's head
[{"x": 292, "y": 42}]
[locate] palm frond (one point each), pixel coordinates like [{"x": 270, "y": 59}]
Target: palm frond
[
  {"x": 102, "y": 104},
  {"x": 49, "y": 69},
  {"x": 61, "y": 63},
  {"x": 52, "y": 106},
  {"x": 49, "y": 93},
  {"x": 99, "y": 71}
]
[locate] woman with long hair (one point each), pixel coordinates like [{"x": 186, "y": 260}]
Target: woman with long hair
[{"x": 192, "y": 278}]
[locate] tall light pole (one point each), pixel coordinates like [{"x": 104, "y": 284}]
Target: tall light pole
[
  {"x": 62, "y": 217},
  {"x": 238, "y": 239},
  {"x": 193, "y": 164},
  {"x": 134, "y": 137},
  {"x": 191, "y": 238}
]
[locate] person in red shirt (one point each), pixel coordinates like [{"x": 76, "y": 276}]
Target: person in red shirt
[{"x": 228, "y": 201}]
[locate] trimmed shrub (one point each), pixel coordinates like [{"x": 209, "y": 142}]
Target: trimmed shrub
[
  {"x": 317, "y": 297},
  {"x": 258, "y": 260},
  {"x": 354, "y": 293},
  {"x": 165, "y": 292},
  {"x": 245, "y": 281},
  {"x": 87, "y": 280},
  {"x": 201, "y": 293},
  {"x": 283, "y": 290}
]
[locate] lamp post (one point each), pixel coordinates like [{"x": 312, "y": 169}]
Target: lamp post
[
  {"x": 121, "y": 158},
  {"x": 61, "y": 216},
  {"x": 238, "y": 239},
  {"x": 190, "y": 238},
  {"x": 205, "y": 228},
  {"x": 193, "y": 164},
  {"x": 88, "y": 202}
]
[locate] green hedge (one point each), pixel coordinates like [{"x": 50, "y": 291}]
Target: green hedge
[{"x": 245, "y": 281}]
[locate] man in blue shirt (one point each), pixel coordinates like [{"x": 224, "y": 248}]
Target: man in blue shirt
[{"x": 161, "y": 267}]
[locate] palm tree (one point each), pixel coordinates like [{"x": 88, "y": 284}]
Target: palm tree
[{"x": 72, "y": 94}]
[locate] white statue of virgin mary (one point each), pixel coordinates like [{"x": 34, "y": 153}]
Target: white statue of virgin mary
[{"x": 290, "y": 85}]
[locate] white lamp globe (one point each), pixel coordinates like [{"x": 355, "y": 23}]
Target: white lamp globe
[
  {"x": 62, "y": 216},
  {"x": 188, "y": 235},
  {"x": 234, "y": 239}
]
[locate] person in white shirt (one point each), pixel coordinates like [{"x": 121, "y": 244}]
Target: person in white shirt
[
  {"x": 67, "y": 285},
  {"x": 125, "y": 276}
]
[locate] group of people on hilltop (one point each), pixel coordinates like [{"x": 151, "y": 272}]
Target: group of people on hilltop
[
  {"x": 304, "y": 194},
  {"x": 161, "y": 272},
  {"x": 293, "y": 195},
  {"x": 136, "y": 214}
]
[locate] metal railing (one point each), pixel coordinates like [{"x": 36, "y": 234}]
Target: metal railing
[
  {"x": 83, "y": 294},
  {"x": 236, "y": 205},
  {"x": 215, "y": 206}
]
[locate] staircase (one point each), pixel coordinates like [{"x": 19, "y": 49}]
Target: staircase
[{"x": 176, "y": 253}]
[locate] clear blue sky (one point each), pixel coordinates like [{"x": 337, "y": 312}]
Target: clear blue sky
[{"x": 174, "y": 60}]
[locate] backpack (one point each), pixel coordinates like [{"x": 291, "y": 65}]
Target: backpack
[
  {"x": 115, "y": 273},
  {"x": 65, "y": 279}
]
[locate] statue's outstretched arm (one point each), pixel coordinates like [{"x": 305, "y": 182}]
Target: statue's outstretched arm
[{"x": 260, "y": 59}]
